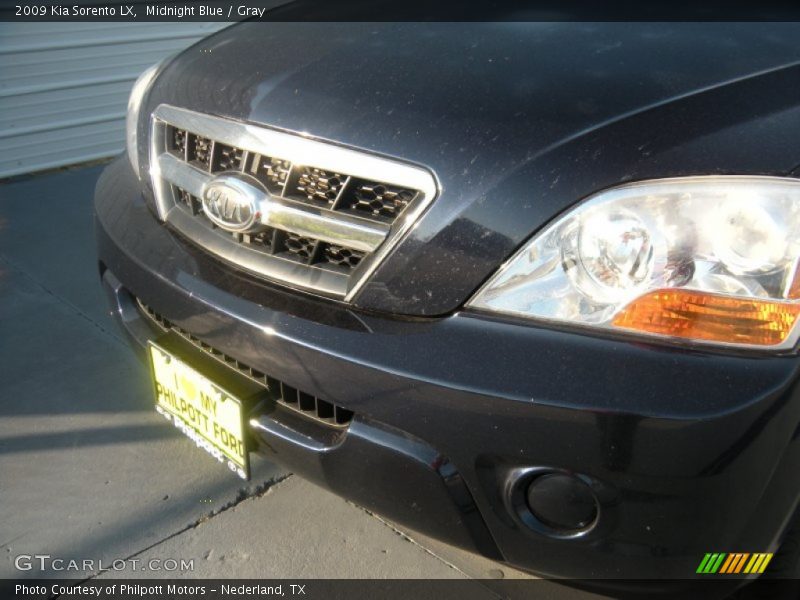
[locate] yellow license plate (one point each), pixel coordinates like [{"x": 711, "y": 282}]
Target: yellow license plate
[{"x": 201, "y": 409}]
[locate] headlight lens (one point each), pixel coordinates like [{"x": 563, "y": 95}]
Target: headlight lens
[
  {"x": 132, "y": 117},
  {"x": 709, "y": 259}
]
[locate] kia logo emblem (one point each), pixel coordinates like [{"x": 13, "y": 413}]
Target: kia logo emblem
[{"x": 233, "y": 204}]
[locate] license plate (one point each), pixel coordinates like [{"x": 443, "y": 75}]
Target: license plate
[{"x": 211, "y": 416}]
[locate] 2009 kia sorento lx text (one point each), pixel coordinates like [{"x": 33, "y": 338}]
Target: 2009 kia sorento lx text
[{"x": 530, "y": 288}]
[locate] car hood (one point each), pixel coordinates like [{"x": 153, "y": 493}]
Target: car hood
[{"x": 517, "y": 120}]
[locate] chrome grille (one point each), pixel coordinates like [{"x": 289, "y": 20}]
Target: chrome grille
[
  {"x": 332, "y": 213},
  {"x": 200, "y": 151},
  {"x": 227, "y": 158},
  {"x": 320, "y": 186},
  {"x": 301, "y": 247},
  {"x": 274, "y": 169},
  {"x": 344, "y": 257},
  {"x": 282, "y": 244},
  {"x": 310, "y": 406},
  {"x": 379, "y": 200}
]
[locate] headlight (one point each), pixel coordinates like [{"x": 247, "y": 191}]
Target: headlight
[
  {"x": 708, "y": 259},
  {"x": 132, "y": 117}
]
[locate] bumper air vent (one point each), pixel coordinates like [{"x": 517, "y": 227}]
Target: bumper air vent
[{"x": 299, "y": 401}]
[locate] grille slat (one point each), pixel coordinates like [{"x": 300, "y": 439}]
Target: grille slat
[
  {"x": 302, "y": 247},
  {"x": 334, "y": 214},
  {"x": 199, "y": 151},
  {"x": 227, "y": 158},
  {"x": 272, "y": 172},
  {"x": 299, "y": 401},
  {"x": 318, "y": 187},
  {"x": 263, "y": 240},
  {"x": 377, "y": 200},
  {"x": 341, "y": 256},
  {"x": 178, "y": 143}
]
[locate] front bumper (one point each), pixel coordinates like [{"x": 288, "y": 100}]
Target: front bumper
[{"x": 689, "y": 452}]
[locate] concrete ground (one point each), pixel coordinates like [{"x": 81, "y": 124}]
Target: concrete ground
[{"x": 88, "y": 470}]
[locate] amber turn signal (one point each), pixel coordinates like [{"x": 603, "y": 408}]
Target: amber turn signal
[{"x": 703, "y": 316}]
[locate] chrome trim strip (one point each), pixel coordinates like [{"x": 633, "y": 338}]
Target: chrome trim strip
[
  {"x": 376, "y": 239},
  {"x": 302, "y": 219},
  {"x": 183, "y": 174},
  {"x": 273, "y": 267},
  {"x": 161, "y": 189},
  {"x": 320, "y": 224}
]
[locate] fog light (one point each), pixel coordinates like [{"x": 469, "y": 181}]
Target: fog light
[{"x": 562, "y": 502}]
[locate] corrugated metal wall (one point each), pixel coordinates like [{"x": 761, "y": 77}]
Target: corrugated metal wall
[{"x": 64, "y": 86}]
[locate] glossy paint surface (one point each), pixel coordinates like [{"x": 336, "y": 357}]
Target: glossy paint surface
[
  {"x": 518, "y": 120},
  {"x": 688, "y": 450}
]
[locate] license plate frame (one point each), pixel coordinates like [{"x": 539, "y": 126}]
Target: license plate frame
[{"x": 205, "y": 401}]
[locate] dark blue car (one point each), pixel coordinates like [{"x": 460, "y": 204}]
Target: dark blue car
[{"x": 529, "y": 288}]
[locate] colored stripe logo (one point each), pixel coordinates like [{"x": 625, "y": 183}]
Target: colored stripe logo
[{"x": 734, "y": 563}]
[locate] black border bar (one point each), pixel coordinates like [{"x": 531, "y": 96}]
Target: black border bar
[
  {"x": 395, "y": 10},
  {"x": 704, "y": 588}
]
